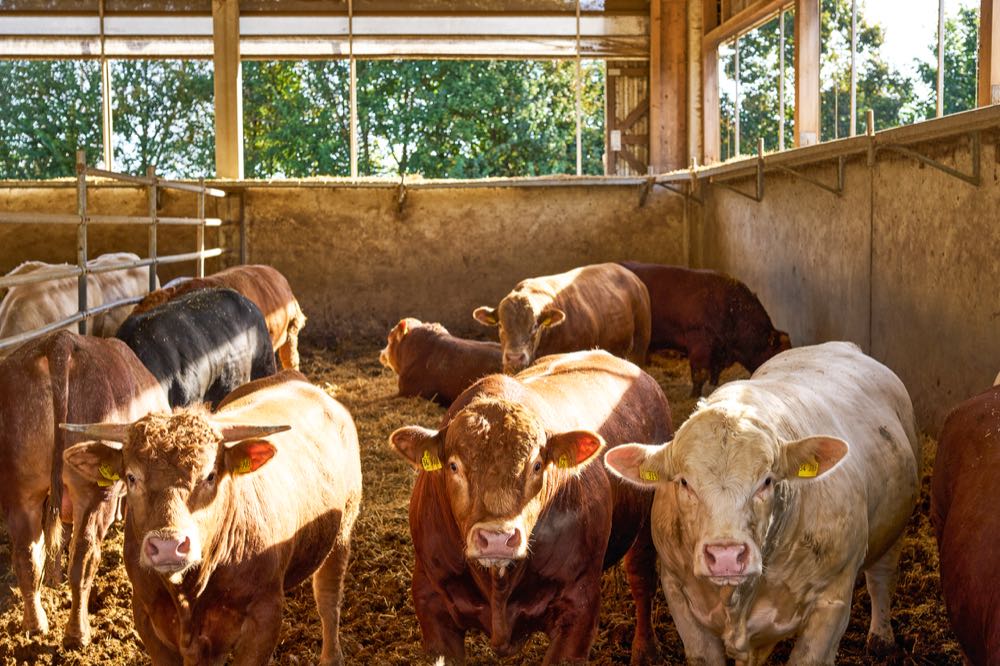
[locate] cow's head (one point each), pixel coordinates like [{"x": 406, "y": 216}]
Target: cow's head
[
  {"x": 521, "y": 328},
  {"x": 499, "y": 467},
  {"x": 176, "y": 469},
  {"x": 389, "y": 357},
  {"x": 723, "y": 474}
]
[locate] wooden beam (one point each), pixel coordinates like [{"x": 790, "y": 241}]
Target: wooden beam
[
  {"x": 806, "y": 72},
  {"x": 668, "y": 85},
  {"x": 749, "y": 18},
  {"x": 710, "y": 104},
  {"x": 989, "y": 52},
  {"x": 228, "y": 89},
  {"x": 695, "y": 31}
]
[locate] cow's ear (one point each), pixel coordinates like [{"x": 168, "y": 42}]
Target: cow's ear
[
  {"x": 247, "y": 456},
  {"x": 641, "y": 464},
  {"x": 486, "y": 316},
  {"x": 551, "y": 317},
  {"x": 421, "y": 447},
  {"x": 96, "y": 462},
  {"x": 780, "y": 341},
  {"x": 573, "y": 449},
  {"x": 811, "y": 457}
]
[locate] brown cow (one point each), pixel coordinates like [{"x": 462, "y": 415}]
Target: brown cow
[
  {"x": 967, "y": 524},
  {"x": 432, "y": 363},
  {"x": 60, "y": 377},
  {"x": 265, "y": 287},
  {"x": 229, "y": 510},
  {"x": 513, "y": 517},
  {"x": 602, "y": 305},
  {"x": 713, "y": 318}
]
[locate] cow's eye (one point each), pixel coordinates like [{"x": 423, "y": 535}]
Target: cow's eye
[
  {"x": 130, "y": 478},
  {"x": 684, "y": 482},
  {"x": 453, "y": 466},
  {"x": 538, "y": 467},
  {"x": 211, "y": 477},
  {"x": 767, "y": 482}
]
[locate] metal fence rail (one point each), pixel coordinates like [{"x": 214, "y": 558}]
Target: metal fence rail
[{"x": 83, "y": 220}]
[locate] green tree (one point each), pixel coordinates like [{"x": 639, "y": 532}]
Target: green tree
[
  {"x": 163, "y": 115},
  {"x": 49, "y": 109},
  {"x": 961, "y": 61}
]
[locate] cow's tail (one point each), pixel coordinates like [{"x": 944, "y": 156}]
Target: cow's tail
[
  {"x": 290, "y": 351},
  {"x": 59, "y": 355}
]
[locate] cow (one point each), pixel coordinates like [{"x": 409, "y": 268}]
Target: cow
[
  {"x": 432, "y": 363},
  {"x": 513, "y": 516},
  {"x": 59, "y": 377},
  {"x": 966, "y": 523},
  {"x": 201, "y": 345},
  {"x": 228, "y": 511},
  {"x": 601, "y": 305},
  {"x": 265, "y": 287},
  {"x": 713, "y": 318},
  {"x": 773, "y": 495},
  {"x": 30, "y": 306}
]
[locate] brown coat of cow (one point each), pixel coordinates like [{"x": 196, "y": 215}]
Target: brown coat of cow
[
  {"x": 265, "y": 287},
  {"x": 598, "y": 306},
  {"x": 713, "y": 318},
  {"x": 432, "y": 363},
  {"x": 227, "y": 511},
  {"x": 60, "y": 377},
  {"x": 513, "y": 517},
  {"x": 967, "y": 523}
]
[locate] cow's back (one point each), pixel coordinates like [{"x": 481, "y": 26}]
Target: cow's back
[
  {"x": 436, "y": 364},
  {"x": 835, "y": 389},
  {"x": 29, "y": 306},
  {"x": 119, "y": 285},
  {"x": 967, "y": 524}
]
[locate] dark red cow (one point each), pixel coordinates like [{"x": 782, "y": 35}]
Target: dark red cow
[
  {"x": 432, "y": 363},
  {"x": 514, "y": 517},
  {"x": 62, "y": 377},
  {"x": 713, "y": 318},
  {"x": 967, "y": 523},
  {"x": 227, "y": 511}
]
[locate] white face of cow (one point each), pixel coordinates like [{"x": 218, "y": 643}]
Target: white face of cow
[
  {"x": 521, "y": 329},
  {"x": 724, "y": 475},
  {"x": 175, "y": 469}
]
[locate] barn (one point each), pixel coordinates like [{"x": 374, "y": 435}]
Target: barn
[{"x": 419, "y": 158}]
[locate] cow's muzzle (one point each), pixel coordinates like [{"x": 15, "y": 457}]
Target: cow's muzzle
[
  {"x": 496, "y": 546},
  {"x": 515, "y": 362},
  {"x": 170, "y": 552},
  {"x": 727, "y": 563}
]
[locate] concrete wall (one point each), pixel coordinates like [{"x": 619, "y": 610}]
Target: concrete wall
[{"x": 906, "y": 263}]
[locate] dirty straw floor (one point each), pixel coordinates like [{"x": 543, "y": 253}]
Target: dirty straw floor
[{"x": 379, "y": 626}]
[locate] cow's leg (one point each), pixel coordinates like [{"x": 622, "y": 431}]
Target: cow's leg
[
  {"x": 880, "y": 578},
  {"x": 261, "y": 629},
  {"x": 640, "y": 564},
  {"x": 91, "y": 518},
  {"x": 24, "y": 524},
  {"x": 575, "y": 628},
  {"x": 701, "y": 646},
  {"x": 821, "y": 632},
  {"x": 328, "y": 590},
  {"x": 289, "y": 352},
  {"x": 700, "y": 359},
  {"x": 159, "y": 652},
  {"x": 442, "y": 638}
]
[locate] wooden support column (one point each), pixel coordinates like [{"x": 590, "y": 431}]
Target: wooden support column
[
  {"x": 668, "y": 109},
  {"x": 228, "y": 89},
  {"x": 806, "y": 72},
  {"x": 989, "y": 52},
  {"x": 710, "y": 103},
  {"x": 695, "y": 29}
]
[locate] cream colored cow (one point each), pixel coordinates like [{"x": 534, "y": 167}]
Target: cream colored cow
[{"x": 773, "y": 496}]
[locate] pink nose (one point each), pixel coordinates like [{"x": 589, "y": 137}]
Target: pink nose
[
  {"x": 497, "y": 544},
  {"x": 516, "y": 361},
  {"x": 726, "y": 559},
  {"x": 167, "y": 551}
]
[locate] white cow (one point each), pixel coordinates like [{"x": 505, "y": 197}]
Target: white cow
[
  {"x": 772, "y": 497},
  {"x": 30, "y": 306}
]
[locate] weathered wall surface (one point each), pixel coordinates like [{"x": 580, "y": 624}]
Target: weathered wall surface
[
  {"x": 358, "y": 263},
  {"x": 904, "y": 263}
]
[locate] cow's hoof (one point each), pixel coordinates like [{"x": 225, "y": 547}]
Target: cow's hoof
[
  {"x": 75, "y": 641},
  {"x": 883, "y": 651},
  {"x": 36, "y": 626},
  {"x": 644, "y": 654}
]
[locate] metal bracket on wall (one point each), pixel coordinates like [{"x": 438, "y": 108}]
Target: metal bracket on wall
[
  {"x": 757, "y": 196},
  {"x": 971, "y": 178},
  {"x": 644, "y": 190},
  {"x": 838, "y": 190}
]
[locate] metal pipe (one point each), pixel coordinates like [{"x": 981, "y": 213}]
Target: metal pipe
[
  {"x": 854, "y": 70},
  {"x": 151, "y": 175},
  {"x": 106, "y": 118},
  {"x": 353, "y": 85},
  {"x": 81, "y": 236},
  {"x": 781, "y": 80},
  {"x": 736, "y": 105},
  {"x": 81, "y": 317},
  {"x": 41, "y": 275},
  {"x": 190, "y": 256},
  {"x": 940, "y": 60},
  {"x": 200, "y": 239},
  {"x": 579, "y": 98},
  {"x": 163, "y": 184}
]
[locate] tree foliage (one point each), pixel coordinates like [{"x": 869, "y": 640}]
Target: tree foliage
[{"x": 961, "y": 60}]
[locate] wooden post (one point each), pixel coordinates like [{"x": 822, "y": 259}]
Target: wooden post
[
  {"x": 668, "y": 108},
  {"x": 806, "y": 72},
  {"x": 228, "y": 89},
  {"x": 989, "y": 53},
  {"x": 710, "y": 103},
  {"x": 695, "y": 31}
]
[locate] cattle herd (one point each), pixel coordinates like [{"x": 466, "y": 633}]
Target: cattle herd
[{"x": 557, "y": 458}]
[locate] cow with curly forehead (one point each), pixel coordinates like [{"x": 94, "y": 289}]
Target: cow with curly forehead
[{"x": 513, "y": 516}]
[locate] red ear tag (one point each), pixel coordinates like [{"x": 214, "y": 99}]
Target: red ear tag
[{"x": 404, "y": 327}]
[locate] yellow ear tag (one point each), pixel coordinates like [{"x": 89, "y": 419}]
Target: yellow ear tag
[
  {"x": 430, "y": 462},
  {"x": 649, "y": 475},
  {"x": 109, "y": 475},
  {"x": 563, "y": 462},
  {"x": 243, "y": 467},
  {"x": 809, "y": 469}
]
